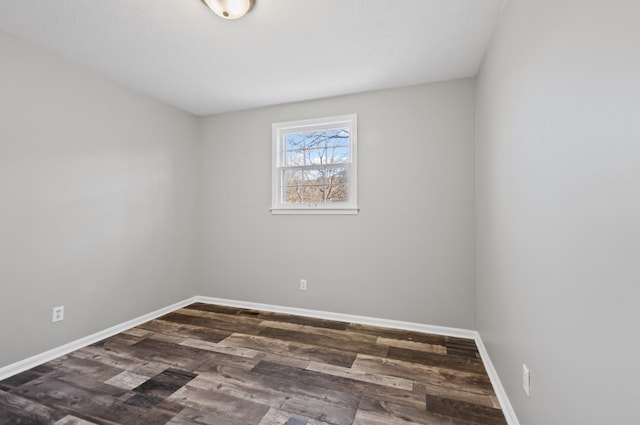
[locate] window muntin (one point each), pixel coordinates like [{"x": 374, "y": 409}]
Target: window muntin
[{"x": 315, "y": 165}]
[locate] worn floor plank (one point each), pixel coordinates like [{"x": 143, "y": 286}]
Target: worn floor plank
[{"x": 209, "y": 364}]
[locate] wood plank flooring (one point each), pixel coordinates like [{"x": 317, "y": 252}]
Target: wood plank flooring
[{"x": 209, "y": 364}]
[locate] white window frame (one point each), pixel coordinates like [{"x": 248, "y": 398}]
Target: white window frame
[{"x": 279, "y": 130}]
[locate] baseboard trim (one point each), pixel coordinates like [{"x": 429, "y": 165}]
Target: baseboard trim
[
  {"x": 341, "y": 317},
  {"x": 505, "y": 404},
  {"x": 38, "y": 359}
]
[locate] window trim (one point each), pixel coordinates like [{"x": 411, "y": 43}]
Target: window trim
[{"x": 278, "y": 130}]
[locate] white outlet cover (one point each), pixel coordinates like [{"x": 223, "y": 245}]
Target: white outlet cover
[{"x": 58, "y": 314}]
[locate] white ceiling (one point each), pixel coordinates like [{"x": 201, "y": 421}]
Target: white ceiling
[{"x": 178, "y": 51}]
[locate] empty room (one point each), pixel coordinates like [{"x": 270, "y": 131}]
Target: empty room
[{"x": 319, "y": 212}]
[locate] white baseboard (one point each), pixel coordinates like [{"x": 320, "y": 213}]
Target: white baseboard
[
  {"x": 49, "y": 355},
  {"x": 505, "y": 404},
  {"x": 340, "y": 317},
  {"x": 38, "y": 359}
]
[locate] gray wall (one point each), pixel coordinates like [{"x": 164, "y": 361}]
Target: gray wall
[
  {"x": 408, "y": 254},
  {"x": 97, "y": 202},
  {"x": 558, "y": 209}
]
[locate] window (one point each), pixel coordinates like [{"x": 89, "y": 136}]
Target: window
[{"x": 314, "y": 166}]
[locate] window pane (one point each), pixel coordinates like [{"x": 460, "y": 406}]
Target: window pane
[
  {"x": 293, "y": 194},
  {"x": 336, "y": 176},
  {"x": 316, "y": 186},
  {"x": 337, "y": 193},
  {"x": 315, "y": 139},
  {"x": 294, "y": 158},
  {"x": 313, "y": 194},
  {"x": 337, "y": 184},
  {"x": 317, "y": 148},
  {"x": 314, "y": 177},
  {"x": 338, "y": 137},
  {"x": 316, "y": 156},
  {"x": 292, "y": 177},
  {"x": 293, "y": 141},
  {"x": 338, "y": 155}
]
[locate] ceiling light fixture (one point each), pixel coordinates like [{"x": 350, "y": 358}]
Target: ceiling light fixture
[{"x": 230, "y": 9}]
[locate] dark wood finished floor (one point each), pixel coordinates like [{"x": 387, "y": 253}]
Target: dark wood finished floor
[{"x": 208, "y": 364}]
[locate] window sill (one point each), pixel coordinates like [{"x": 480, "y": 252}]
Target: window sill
[{"x": 314, "y": 211}]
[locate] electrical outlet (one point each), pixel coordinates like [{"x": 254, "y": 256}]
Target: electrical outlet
[
  {"x": 58, "y": 313},
  {"x": 303, "y": 284},
  {"x": 526, "y": 379}
]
